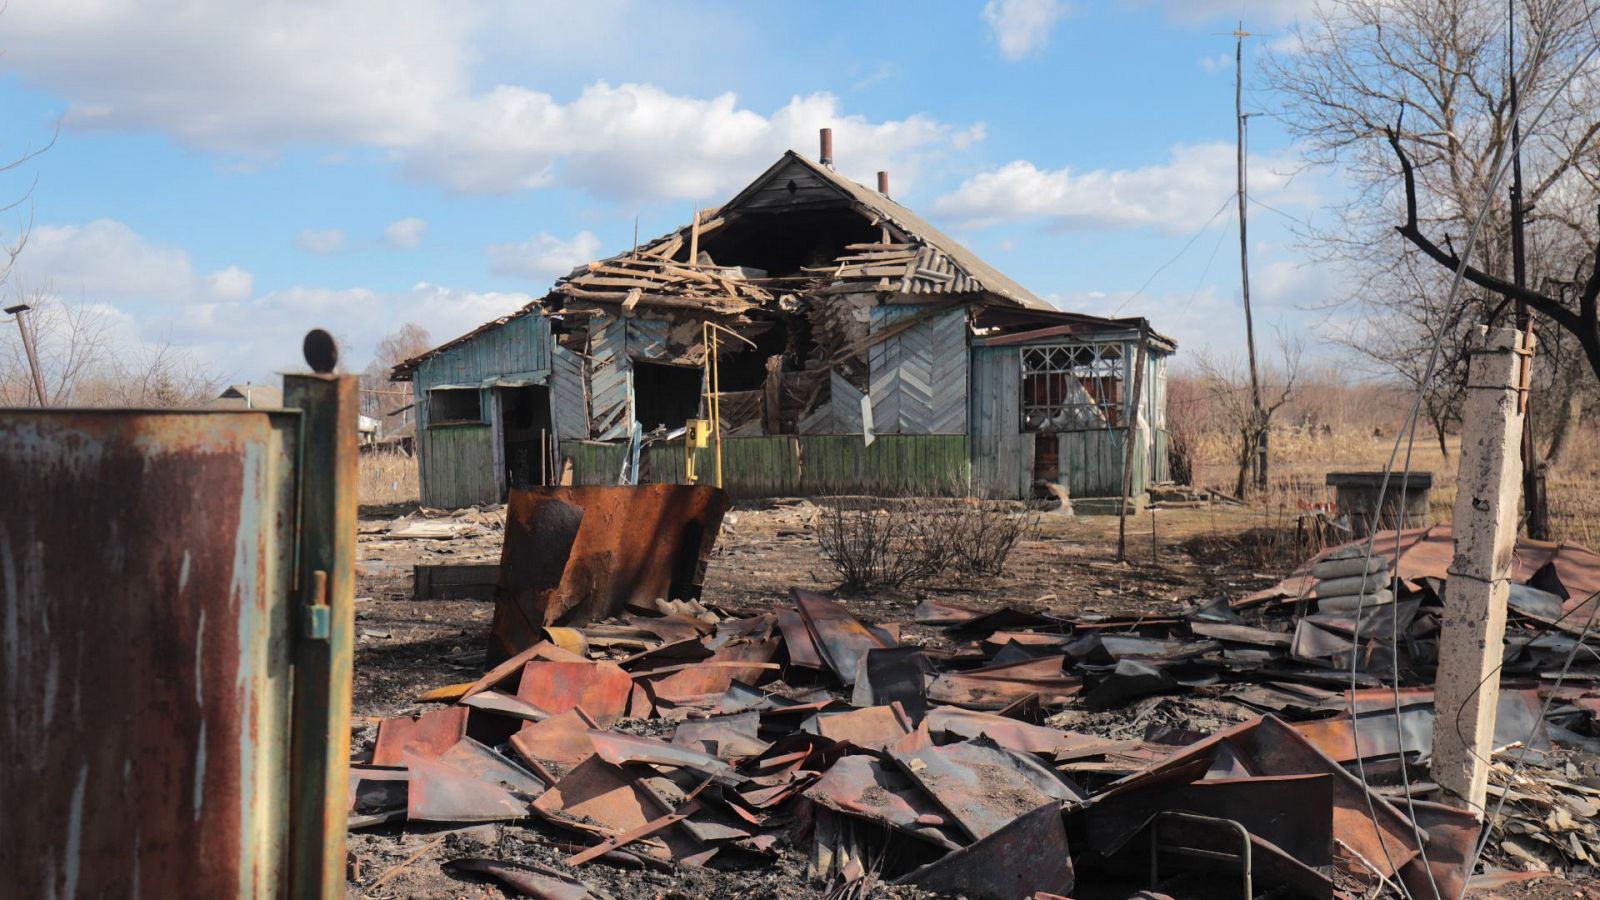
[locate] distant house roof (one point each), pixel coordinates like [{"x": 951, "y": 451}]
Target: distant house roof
[{"x": 249, "y": 396}]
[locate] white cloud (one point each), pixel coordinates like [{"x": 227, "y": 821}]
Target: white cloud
[
  {"x": 1178, "y": 195},
  {"x": 399, "y": 77},
  {"x": 405, "y": 233},
  {"x": 240, "y": 78},
  {"x": 1219, "y": 63},
  {"x": 105, "y": 258},
  {"x": 544, "y": 256},
  {"x": 320, "y": 241},
  {"x": 1022, "y": 27},
  {"x": 261, "y": 336},
  {"x": 636, "y": 140},
  {"x": 232, "y": 283}
]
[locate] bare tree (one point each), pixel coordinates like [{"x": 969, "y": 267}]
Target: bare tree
[
  {"x": 1354, "y": 68},
  {"x": 379, "y": 395},
  {"x": 1227, "y": 383}
]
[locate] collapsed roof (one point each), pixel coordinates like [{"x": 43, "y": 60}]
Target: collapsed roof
[{"x": 798, "y": 232}]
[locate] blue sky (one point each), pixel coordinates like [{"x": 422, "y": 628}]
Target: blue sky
[{"x": 227, "y": 176}]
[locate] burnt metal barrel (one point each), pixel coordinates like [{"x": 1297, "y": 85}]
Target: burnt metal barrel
[{"x": 175, "y": 615}]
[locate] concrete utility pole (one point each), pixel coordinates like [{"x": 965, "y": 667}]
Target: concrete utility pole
[
  {"x": 27, "y": 348},
  {"x": 1260, "y": 462},
  {"x": 1130, "y": 440},
  {"x": 1472, "y": 635}
]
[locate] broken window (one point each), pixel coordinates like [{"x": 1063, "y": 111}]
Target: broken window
[
  {"x": 1071, "y": 387},
  {"x": 454, "y": 405}
]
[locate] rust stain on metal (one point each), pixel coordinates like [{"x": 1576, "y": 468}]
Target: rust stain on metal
[
  {"x": 841, "y": 638},
  {"x": 143, "y": 564},
  {"x": 601, "y": 688},
  {"x": 429, "y": 734},
  {"x": 577, "y": 554}
]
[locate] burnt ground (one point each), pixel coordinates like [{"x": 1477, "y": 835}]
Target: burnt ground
[{"x": 405, "y": 647}]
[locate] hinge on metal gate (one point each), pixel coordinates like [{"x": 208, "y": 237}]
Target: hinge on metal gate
[{"x": 318, "y": 618}]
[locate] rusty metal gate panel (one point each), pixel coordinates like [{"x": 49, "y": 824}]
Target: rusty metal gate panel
[{"x": 151, "y": 622}]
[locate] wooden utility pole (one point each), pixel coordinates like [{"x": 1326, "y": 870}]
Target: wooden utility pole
[
  {"x": 1533, "y": 489},
  {"x": 1260, "y": 462},
  {"x": 1130, "y": 440},
  {"x": 1472, "y": 632}
]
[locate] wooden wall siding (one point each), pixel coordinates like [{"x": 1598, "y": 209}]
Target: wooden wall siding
[
  {"x": 520, "y": 345},
  {"x": 1091, "y": 463},
  {"x": 809, "y": 190},
  {"x": 919, "y": 377},
  {"x": 569, "y": 405},
  {"x": 610, "y": 400},
  {"x": 790, "y": 466},
  {"x": 845, "y": 401},
  {"x": 1002, "y": 456},
  {"x": 647, "y": 338},
  {"x": 457, "y": 468},
  {"x": 840, "y": 415}
]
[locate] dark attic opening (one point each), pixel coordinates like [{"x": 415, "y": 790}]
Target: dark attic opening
[
  {"x": 665, "y": 396},
  {"x": 782, "y": 244},
  {"x": 743, "y": 368}
]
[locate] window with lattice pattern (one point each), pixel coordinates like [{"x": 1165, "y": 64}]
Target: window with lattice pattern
[{"x": 1071, "y": 387}]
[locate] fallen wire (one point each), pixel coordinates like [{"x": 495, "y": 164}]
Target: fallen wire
[{"x": 1176, "y": 256}]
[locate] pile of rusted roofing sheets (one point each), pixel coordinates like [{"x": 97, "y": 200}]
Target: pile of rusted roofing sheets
[{"x": 676, "y": 734}]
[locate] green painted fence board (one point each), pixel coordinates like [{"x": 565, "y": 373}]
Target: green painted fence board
[{"x": 789, "y": 465}]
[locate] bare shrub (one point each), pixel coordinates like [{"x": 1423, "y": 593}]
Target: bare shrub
[
  {"x": 891, "y": 542},
  {"x": 878, "y": 545},
  {"x": 980, "y": 535}
]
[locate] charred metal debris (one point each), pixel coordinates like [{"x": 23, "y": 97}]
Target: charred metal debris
[{"x": 1260, "y": 747}]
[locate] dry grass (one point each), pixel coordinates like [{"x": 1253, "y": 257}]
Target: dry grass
[
  {"x": 388, "y": 478},
  {"x": 1302, "y": 457}
]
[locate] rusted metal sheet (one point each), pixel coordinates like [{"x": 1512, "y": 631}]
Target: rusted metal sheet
[
  {"x": 556, "y": 745},
  {"x": 628, "y": 748},
  {"x": 1362, "y": 820},
  {"x": 578, "y": 554},
  {"x": 716, "y": 674},
  {"x": 873, "y": 728},
  {"x": 440, "y": 792},
  {"x": 727, "y": 737},
  {"x": 1027, "y": 856},
  {"x": 602, "y": 797},
  {"x": 983, "y": 786},
  {"x": 841, "y": 638},
  {"x": 601, "y": 688},
  {"x": 995, "y": 687},
  {"x": 431, "y": 734},
  {"x": 863, "y": 787},
  {"x": 152, "y": 625}
]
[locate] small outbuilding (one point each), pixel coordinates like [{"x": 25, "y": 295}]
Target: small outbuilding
[{"x": 858, "y": 350}]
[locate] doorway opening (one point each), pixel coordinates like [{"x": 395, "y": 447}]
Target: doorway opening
[{"x": 529, "y": 440}]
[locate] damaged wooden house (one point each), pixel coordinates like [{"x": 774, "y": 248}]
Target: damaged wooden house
[{"x": 869, "y": 353}]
